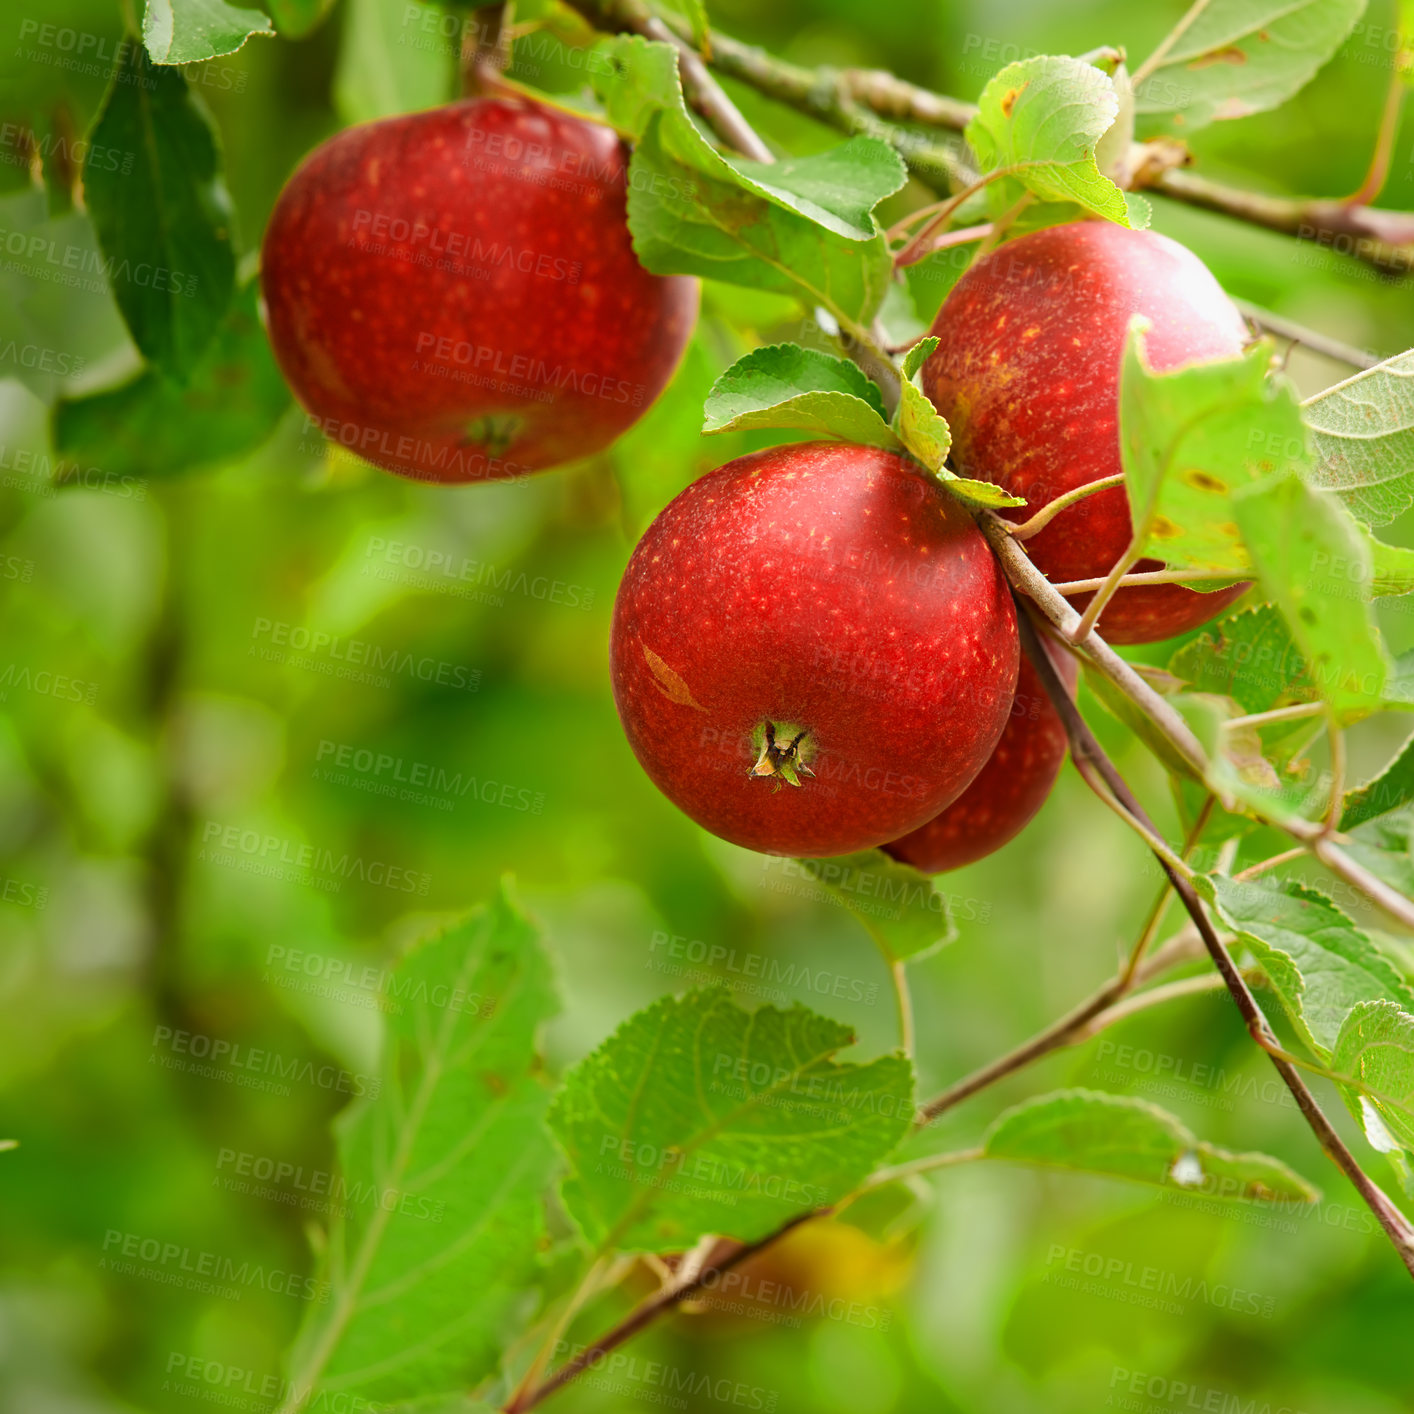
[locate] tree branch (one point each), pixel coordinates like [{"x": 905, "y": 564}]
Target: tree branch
[
  {"x": 1025, "y": 577},
  {"x": 1030, "y": 581},
  {"x": 649, "y": 1310},
  {"x": 855, "y": 101},
  {"x": 1084, "y": 747},
  {"x": 1312, "y": 339},
  {"x": 820, "y": 93}
]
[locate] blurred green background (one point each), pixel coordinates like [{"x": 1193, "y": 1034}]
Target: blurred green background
[{"x": 158, "y": 703}]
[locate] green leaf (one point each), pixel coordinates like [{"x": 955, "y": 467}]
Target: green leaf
[
  {"x": 165, "y": 225},
  {"x": 379, "y": 74},
  {"x": 901, "y": 908},
  {"x": 918, "y": 355},
  {"x": 1391, "y": 568},
  {"x": 1249, "y": 656},
  {"x": 1392, "y": 789},
  {"x": 1383, "y": 846},
  {"x": 785, "y": 385},
  {"x": 803, "y": 226},
  {"x": 1291, "y": 531},
  {"x": 837, "y": 188},
  {"x": 294, "y": 18},
  {"x": 1317, "y": 961},
  {"x": 698, "y": 1117},
  {"x": 452, "y": 1158},
  {"x": 1239, "y": 772},
  {"x": 1192, "y": 437},
  {"x": 1126, "y": 710},
  {"x": 924, "y": 431},
  {"x": 151, "y": 426},
  {"x": 188, "y": 31},
  {"x": 1089, "y": 1131},
  {"x": 685, "y": 222},
  {"x": 1041, "y": 120},
  {"x": 1362, "y": 433},
  {"x": 1375, "y": 1049},
  {"x": 1237, "y": 57}
]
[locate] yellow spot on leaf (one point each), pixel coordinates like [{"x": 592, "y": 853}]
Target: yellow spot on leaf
[
  {"x": 1009, "y": 99},
  {"x": 1203, "y": 481},
  {"x": 1229, "y": 54}
]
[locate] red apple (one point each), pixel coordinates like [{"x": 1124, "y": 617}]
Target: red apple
[
  {"x": 813, "y": 649},
  {"x": 1027, "y": 375},
  {"x": 1008, "y": 791},
  {"x": 453, "y": 294}
]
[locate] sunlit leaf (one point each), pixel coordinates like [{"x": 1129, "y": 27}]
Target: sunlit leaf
[
  {"x": 188, "y": 31},
  {"x": 451, "y": 1156},
  {"x": 1362, "y": 432},
  {"x": 1041, "y": 120},
  {"x": 696, "y": 1116},
  {"x": 1235, "y": 57},
  {"x": 1317, "y": 961},
  {"x": 1119, "y": 1136}
]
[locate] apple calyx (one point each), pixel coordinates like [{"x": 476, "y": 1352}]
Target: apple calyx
[
  {"x": 495, "y": 432},
  {"x": 783, "y": 752}
]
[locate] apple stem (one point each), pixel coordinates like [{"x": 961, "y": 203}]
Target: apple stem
[
  {"x": 1378, "y": 172},
  {"x": 486, "y": 49},
  {"x": 1052, "y": 509},
  {"x": 1104, "y": 594},
  {"x": 1089, "y": 586},
  {"x": 919, "y": 245}
]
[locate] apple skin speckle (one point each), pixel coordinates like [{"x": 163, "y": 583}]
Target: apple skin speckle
[
  {"x": 1039, "y": 415},
  {"x": 454, "y": 295},
  {"x": 1008, "y": 791},
  {"x": 833, "y": 587}
]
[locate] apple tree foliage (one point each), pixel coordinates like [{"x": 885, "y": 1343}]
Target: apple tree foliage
[{"x": 697, "y": 1119}]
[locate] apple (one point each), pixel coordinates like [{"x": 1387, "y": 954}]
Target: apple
[
  {"x": 813, "y": 649},
  {"x": 453, "y": 294},
  {"x": 1027, "y": 375},
  {"x": 1008, "y": 791},
  {"x": 818, "y": 1269}
]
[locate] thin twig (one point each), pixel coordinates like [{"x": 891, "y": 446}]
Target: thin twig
[
  {"x": 1030, "y": 581},
  {"x": 844, "y": 100},
  {"x": 1089, "y": 586},
  {"x": 706, "y": 95},
  {"x": 1336, "y": 737},
  {"x": 651, "y": 1309},
  {"x": 850, "y": 101},
  {"x": 1156, "y": 914},
  {"x": 1106, "y": 591},
  {"x": 1276, "y": 861},
  {"x": 1296, "y": 713},
  {"x": 1311, "y": 339},
  {"x": 1038, "y": 522},
  {"x": 1378, "y": 172},
  {"x": 1167, "y": 43},
  {"x": 1083, "y": 746},
  {"x": 1155, "y": 996},
  {"x": 1083, "y": 1019},
  {"x": 918, "y": 246},
  {"x": 899, "y": 971},
  {"x": 587, "y": 1285},
  {"x": 924, "y": 1165},
  {"x": 1025, "y": 577}
]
